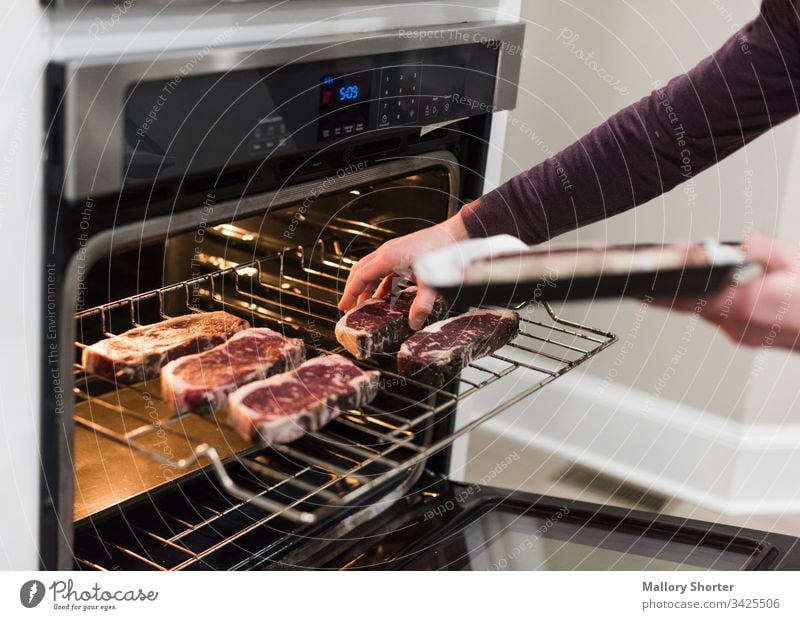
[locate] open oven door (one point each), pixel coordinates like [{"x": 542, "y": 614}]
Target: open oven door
[{"x": 457, "y": 526}]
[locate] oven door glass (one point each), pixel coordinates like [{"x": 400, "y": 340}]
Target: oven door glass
[{"x": 504, "y": 539}]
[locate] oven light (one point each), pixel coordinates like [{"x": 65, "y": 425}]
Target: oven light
[
  {"x": 355, "y": 192},
  {"x": 229, "y": 230}
]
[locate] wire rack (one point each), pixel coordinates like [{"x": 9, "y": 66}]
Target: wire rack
[{"x": 340, "y": 465}]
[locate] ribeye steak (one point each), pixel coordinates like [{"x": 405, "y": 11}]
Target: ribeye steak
[
  {"x": 138, "y": 354},
  {"x": 283, "y": 407},
  {"x": 380, "y": 324},
  {"x": 203, "y": 381},
  {"x": 435, "y": 354}
]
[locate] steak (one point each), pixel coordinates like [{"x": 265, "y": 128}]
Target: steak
[
  {"x": 139, "y": 353},
  {"x": 436, "y": 354},
  {"x": 380, "y": 324},
  {"x": 282, "y": 408},
  {"x": 203, "y": 381},
  {"x": 586, "y": 260}
]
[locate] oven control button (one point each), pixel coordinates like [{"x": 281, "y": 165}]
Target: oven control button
[
  {"x": 359, "y": 127},
  {"x": 398, "y": 86},
  {"x": 258, "y": 132},
  {"x": 406, "y": 109},
  {"x": 256, "y": 148},
  {"x": 348, "y": 129},
  {"x": 326, "y": 133},
  {"x": 337, "y": 131}
]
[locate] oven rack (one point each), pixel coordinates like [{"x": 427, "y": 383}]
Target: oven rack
[{"x": 356, "y": 453}]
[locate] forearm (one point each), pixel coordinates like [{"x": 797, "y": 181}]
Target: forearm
[{"x": 749, "y": 85}]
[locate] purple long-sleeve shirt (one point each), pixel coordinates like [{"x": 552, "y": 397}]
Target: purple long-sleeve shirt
[{"x": 748, "y": 86}]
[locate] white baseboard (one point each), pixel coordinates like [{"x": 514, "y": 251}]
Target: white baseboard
[{"x": 670, "y": 448}]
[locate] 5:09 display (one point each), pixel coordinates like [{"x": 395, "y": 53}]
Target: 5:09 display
[
  {"x": 343, "y": 89},
  {"x": 348, "y": 92}
]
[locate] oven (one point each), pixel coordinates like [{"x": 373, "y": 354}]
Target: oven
[{"x": 251, "y": 180}]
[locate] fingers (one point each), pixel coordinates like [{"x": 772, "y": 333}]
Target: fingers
[
  {"x": 368, "y": 292},
  {"x": 396, "y": 257},
  {"x": 364, "y": 277},
  {"x": 387, "y": 285},
  {"x": 772, "y": 253},
  {"x": 421, "y": 307}
]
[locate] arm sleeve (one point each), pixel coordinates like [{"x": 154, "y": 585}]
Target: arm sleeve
[{"x": 749, "y": 85}]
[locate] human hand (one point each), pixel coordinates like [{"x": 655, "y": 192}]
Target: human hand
[
  {"x": 764, "y": 311},
  {"x": 373, "y": 274}
]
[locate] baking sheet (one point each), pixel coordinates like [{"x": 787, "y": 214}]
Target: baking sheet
[{"x": 501, "y": 273}]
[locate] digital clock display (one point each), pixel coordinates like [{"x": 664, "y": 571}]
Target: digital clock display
[
  {"x": 343, "y": 89},
  {"x": 344, "y": 104},
  {"x": 348, "y": 93}
]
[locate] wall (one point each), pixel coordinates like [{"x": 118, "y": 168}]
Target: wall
[{"x": 24, "y": 47}]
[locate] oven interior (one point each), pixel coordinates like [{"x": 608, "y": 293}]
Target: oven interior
[{"x": 155, "y": 490}]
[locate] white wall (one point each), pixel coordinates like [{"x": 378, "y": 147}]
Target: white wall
[{"x": 23, "y": 46}]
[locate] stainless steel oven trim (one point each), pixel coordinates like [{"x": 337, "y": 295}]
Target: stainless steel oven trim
[
  {"x": 95, "y": 89},
  {"x": 111, "y": 3},
  {"x": 134, "y": 234}
]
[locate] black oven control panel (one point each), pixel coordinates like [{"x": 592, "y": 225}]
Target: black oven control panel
[
  {"x": 207, "y": 122},
  {"x": 436, "y": 85}
]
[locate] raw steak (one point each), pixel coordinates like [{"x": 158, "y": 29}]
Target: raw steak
[
  {"x": 139, "y": 353},
  {"x": 379, "y": 325},
  {"x": 203, "y": 381},
  {"x": 282, "y": 408},
  {"x": 586, "y": 260},
  {"x": 437, "y": 353}
]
